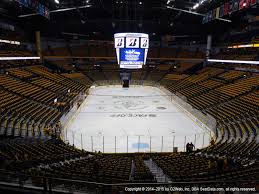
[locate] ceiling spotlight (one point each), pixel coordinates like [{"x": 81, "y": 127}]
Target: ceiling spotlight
[
  {"x": 113, "y": 24},
  {"x": 140, "y": 3},
  {"x": 57, "y": 1},
  {"x": 196, "y": 6}
]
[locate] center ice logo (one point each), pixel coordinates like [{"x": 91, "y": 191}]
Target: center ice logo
[
  {"x": 133, "y": 115},
  {"x": 130, "y": 105}
]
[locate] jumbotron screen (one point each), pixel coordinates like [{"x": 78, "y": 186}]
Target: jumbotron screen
[
  {"x": 132, "y": 57},
  {"x": 131, "y": 49}
]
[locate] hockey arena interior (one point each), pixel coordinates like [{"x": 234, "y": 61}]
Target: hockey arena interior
[{"x": 129, "y": 96}]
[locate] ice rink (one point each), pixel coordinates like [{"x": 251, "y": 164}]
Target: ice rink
[{"x": 137, "y": 119}]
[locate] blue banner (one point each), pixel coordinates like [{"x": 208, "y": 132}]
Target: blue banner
[{"x": 40, "y": 8}]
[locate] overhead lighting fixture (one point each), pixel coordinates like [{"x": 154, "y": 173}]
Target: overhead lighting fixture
[
  {"x": 10, "y": 42},
  {"x": 113, "y": 24},
  {"x": 57, "y": 1},
  {"x": 69, "y": 9},
  {"x": 57, "y": 10},
  {"x": 183, "y": 10},
  {"x": 18, "y": 58},
  {"x": 197, "y": 5},
  {"x": 233, "y": 61},
  {"x": 244, "y": 46},
  {"x": 194, "y": 13}
]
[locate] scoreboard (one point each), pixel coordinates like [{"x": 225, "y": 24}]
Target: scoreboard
[{"x": 131, "y": 49}]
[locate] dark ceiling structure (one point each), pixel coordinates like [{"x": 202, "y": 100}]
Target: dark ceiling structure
[
  {"x": 100, "y": 19},
  {"x": 104, "y": 18}
]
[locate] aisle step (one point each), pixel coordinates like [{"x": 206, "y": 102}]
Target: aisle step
[{"x": 157, "y": 172}]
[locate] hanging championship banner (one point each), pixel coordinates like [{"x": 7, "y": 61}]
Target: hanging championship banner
[{"x": 228, "y": 8}]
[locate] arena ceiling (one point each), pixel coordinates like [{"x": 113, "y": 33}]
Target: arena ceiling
[
  {"x": 100, "y": 19},
  {"x": 105, "y": 17}
]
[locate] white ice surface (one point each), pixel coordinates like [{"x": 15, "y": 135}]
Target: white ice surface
[{"x": 126, "y": 117}]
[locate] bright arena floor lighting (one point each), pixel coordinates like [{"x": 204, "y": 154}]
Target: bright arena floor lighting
[{"x": 132, "y": 115}]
